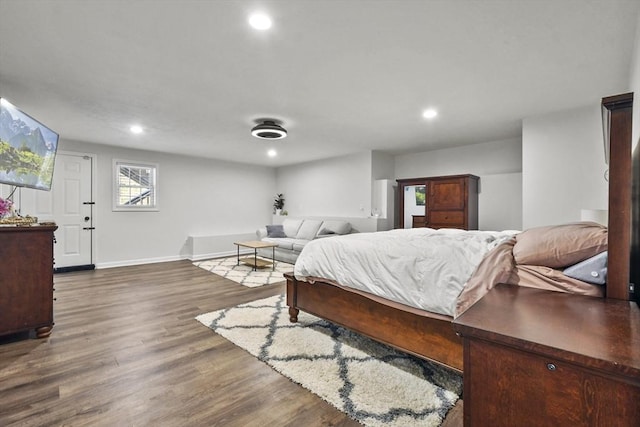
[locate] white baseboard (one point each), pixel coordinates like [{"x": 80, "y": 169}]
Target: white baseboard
[{"x": 131, "y": 262}]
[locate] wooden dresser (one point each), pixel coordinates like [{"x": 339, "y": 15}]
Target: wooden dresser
[
  {"x": 26, "y": 279},
  {"x": 451, "y": 201},
  {"x": 543, "y": 358}
]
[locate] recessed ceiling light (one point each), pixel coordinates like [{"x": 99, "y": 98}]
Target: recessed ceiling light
[
  {"x": 137, "y": 129},
  {"x": 429, "y": 113},
  {"x": 272, "y": 153},
  {"x": 260, "y": 21}
]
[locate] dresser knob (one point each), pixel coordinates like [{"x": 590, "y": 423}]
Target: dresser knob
[{"x": 551, "y": 366}]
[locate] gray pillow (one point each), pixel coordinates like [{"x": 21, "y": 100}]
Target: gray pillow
[
  {"x": 591, "y": 270},
  {"x": 275, "y": 231}
]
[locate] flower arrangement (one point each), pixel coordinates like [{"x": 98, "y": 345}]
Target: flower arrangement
[{"x": 5, "y": 207}]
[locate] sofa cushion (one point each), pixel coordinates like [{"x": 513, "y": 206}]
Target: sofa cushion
[
  {"x": 291, "y": 226},
  {"x": 275, "y": 231},
  {"x": 299, "y": 244},
  {"x": 334, "y": 227},
  {"x": 308, "y": 229},
  {"x": 283, "y": 242}
]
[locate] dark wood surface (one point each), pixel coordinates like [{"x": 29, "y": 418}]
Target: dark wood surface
[
  {"x": 427, "y": 335},
  {"x": 634, "y": 269},
  {"x": 451, "y": 201},
  {"x": 26, "y": 279},
  {"x": 619, "y": 109},
  {"x": 536, "y": 357},
  {"x": 601, "y": 333},
  {"x": 127, "y": 351}
]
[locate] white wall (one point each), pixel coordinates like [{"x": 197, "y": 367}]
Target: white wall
[
  {"x": 197, "y": 197},
  {"x": 382, "y": 165},
  {"x": 493, "y": 212},
  {"x": 335, "y": 187},
  {"x": 383, "y": 188},
  {"x": 492, "y": 158},
  {"x": 497, "y": 163},
  {"x": 563, "y": 166}
]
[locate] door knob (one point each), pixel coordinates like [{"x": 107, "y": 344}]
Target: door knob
[{"x": 86, "y": 218}]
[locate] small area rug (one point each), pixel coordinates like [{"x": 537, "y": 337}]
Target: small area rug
[
  {"x": 370, "y": 382},
  {"x": 244, "y": 274}
]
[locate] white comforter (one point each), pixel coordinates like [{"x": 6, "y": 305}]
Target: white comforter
[{"x": 419, "y": 267}]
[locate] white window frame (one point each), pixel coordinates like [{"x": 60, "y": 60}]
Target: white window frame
[{"x": 117, "y": 206}]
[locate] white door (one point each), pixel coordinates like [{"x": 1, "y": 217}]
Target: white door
[{"x": 70, "y": 205}]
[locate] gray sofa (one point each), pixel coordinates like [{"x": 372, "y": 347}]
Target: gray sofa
[{"x": 294, "y": 234}]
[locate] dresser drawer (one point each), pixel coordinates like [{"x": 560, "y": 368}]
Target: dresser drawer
[
  {"x": 508, "y": 387},
  {"x": 446, "y": 217}
]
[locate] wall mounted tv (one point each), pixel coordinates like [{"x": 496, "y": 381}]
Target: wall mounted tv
[{"x": 27, "y": 149}]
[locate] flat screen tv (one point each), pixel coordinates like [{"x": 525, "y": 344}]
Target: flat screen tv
[{"x": 27, "y": 149}]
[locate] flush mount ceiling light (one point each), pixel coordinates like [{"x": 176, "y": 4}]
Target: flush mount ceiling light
[
  {"x": 137, "y": 129},
  {"x": 269, "y": 129}
]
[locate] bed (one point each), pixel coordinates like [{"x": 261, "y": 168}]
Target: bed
[{"x": 429, "y": 334}]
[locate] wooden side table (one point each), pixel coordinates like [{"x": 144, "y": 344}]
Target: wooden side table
[{"x": 543, "y": 358}]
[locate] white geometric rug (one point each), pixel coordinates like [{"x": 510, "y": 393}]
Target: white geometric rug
[
  {"x": 371, "y": 382},
  {"x": 244, "y": 274}
]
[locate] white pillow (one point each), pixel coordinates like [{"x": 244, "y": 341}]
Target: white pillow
[
  {"x": 308, "y": 229},
  {"x": 291, "y": 226}
]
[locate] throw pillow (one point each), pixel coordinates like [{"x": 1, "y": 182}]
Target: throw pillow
[
  {"x": 308, "y": 229},
  {"x": 275, "y": 231}
]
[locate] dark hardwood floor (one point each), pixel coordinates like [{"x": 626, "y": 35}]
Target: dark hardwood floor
[{"x": 126, "y": 351}]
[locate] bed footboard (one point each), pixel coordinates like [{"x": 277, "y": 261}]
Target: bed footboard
[{"x": 423, "y": 334}]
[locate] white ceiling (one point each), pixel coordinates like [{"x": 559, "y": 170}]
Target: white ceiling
[{"x": 342, "y": 75}]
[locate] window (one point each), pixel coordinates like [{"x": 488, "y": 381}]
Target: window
[{"x": 135, "y": 186}]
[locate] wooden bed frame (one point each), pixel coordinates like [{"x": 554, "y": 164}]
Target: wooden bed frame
[{"x": 431, "y": 336}]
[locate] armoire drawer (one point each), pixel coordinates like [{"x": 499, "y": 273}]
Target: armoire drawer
[{"x": 446, "y": 217}]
